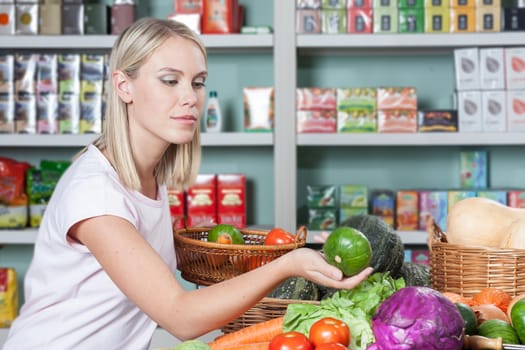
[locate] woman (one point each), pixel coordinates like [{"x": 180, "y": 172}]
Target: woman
[{"x": 102, "y": 274}]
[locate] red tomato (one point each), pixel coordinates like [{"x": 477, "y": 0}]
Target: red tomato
[
  {"x": 329, "y": 330},
  {"x": 331, "y": 346},
  {"x": 290, "y": 341},
  {"x": 279, "y": 236}
]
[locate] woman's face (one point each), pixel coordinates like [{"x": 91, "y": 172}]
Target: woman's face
[{"x": 168, "y": 95}]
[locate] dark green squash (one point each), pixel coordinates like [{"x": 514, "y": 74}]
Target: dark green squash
[
  {"x": 296, "y": 288},
  {"x": 388, "y": 251},
  {"x": 415, "y": 274}
]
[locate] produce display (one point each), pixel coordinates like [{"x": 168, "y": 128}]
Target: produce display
[{"x": 395, "y": 307}]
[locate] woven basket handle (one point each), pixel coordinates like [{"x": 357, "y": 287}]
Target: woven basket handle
[
  {"x": 300, "y": 235},
  {"x": 435, "y": 234}
]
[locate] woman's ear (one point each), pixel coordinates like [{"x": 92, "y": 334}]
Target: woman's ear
[{"x": 122, "y": 86}]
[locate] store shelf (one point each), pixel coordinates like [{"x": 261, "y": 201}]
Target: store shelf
[
  {"x": 413, "y": 139},
  {"x": 18, "y": 236},
  {"x": 60, "y": 140},
  {"x": 236, "y": 42},
  {"x": 399, "y": 41}
]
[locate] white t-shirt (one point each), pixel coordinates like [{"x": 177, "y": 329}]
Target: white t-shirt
[{"x": 70, "y": 302}]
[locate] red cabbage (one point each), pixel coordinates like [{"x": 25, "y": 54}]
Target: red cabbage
[{"x": 416, "y": 318}]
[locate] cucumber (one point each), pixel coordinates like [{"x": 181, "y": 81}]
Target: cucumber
[
  {"x": 517, "y": 317},
  {"x": 469, "y": 317},
  {"x": 496, "y": 328}
]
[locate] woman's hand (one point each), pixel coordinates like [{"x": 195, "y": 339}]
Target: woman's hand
[{"x": 312, "y": 265}]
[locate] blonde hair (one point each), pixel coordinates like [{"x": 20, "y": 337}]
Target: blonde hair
[{"x": 180, "y": 163}]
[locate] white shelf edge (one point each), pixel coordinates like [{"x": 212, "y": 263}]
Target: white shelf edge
[
  {"x": 403, "y": 40},
  {"x": 79, "y": 140},
  {"x": 410, "y": 139},
  {"x": 18, "y": 236},
  {"x": 407, "y": 237},
  {"x": 219, "y": 41}
]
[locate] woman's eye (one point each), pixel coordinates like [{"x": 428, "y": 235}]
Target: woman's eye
[
  {"x": 199, "y": 84},
  {"x": 170, "y": 82}
]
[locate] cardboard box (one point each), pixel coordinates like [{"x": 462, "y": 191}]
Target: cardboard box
[
  {"x": 202, "y": 201},
  {"x": 360, "y": 20},
  {"x": 231, "y": 199},
  {"x": 516, "y": 199},
  {"x": 177, "y": 203},
  {"x": 516, "y": 110},
  {"x": 515, "y": 68},
  {"x": 313, "y": 98},
  {"x": 466, "y": 67},
  {"x": 492, "y": 68},
  {"x": 473, "y": 169},
  {"x": 316, "y": 121},
  {"x": 433, "y": 204},
  {"x": 407, "y": 210},
  {"x": 494, "y": 110},
  {"x": 469, "y": 111}
]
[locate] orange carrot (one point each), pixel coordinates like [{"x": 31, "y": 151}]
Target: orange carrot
[
  {"x": 256, "y": 333},
  {"x": 251, "y": 346}
]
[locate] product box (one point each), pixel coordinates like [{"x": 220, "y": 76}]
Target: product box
[
  {"x": 333, "y": 4},
  {"x": 308, "y": 21},
  {"x": 516, "y": 110},
  {"x": 437, "y": 4},
  {"x": 411, "y": 4},
  {"x": 122, "y": 16},
  {"x": 473, "y": 169},
  {"x": 494, "y": 110},
  {"x": 188, "y": 6},
  {"x": 411, "y": 20},
  {"x": 433, "y": 204},
  {"x": 333, "y": 21},
  {"x": 513, "y": 19},
  {"x": 516, "y": 199},
  {"x": 438, "y": 121},
  {"x": 466, "y": 67},
  {"x": 72, "y": 19},
  {"x": 96, "y": 19},
  {"x": 456, "y": 196},
  {"x": 488, "y": 19},
  {"x": 360, "y": 20},
  {"x": 258, "y": 108},
  {"x": 437, "y": 19},
  {"x": 397, "y": 121},
  {"x": 201, "y": 201},
  {"x": 492, "y": 68},
  {"x": 68, "y": 73},
  {"x": 386, "y": 20},
  {"x": 420, "y": 256},
  {"x": 316, "y": 121},
  {"x": 498, "y": 196},
  {"x": 515, "y": 67},
  {"x": 353, "y": 196},
  {"x": 356, "y": 109},
  {"x": 488, "y": 3},
  {"x": 221, "y": 17},
  {"x": 398, "y": 97},
  {"x": 347, "y": 213},
  {"x": 177, "y": 204},
  {"x": 470, "y": 111},
  {"x": 407, "y": 210},
  {"x": 322, "y": 219},
  {"x": 462, "y": 19},
  {"x": 91, "y": 73},
  {"x": 314, "y": 98},
  {"x": 359, "y": 4},
  {"x": 382, "y": 203},
  {"x": 356, "y": 121},
  {"x": 308, "y": 4},
  {"x": 321, "y": 196},
  {"x": 231, "y": 199},
  {"x": 50, "y": 21},
  {"x": 385, "y": 4}
]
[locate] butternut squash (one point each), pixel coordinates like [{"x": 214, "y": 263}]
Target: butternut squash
[
  {"x": 481, "y": 221},
  {"x": 514, "y": 236}
]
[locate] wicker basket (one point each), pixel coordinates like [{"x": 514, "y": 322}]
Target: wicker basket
[
  {"x": 467, "y": 270},
  {"x": 264, "y": 310},
  {"x": 206, "y": 263}
]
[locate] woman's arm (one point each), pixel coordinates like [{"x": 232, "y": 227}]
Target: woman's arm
[{"x": 143, "y": 277}]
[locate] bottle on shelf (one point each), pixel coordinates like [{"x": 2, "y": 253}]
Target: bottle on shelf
[{"x": 213, "y": 121}]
